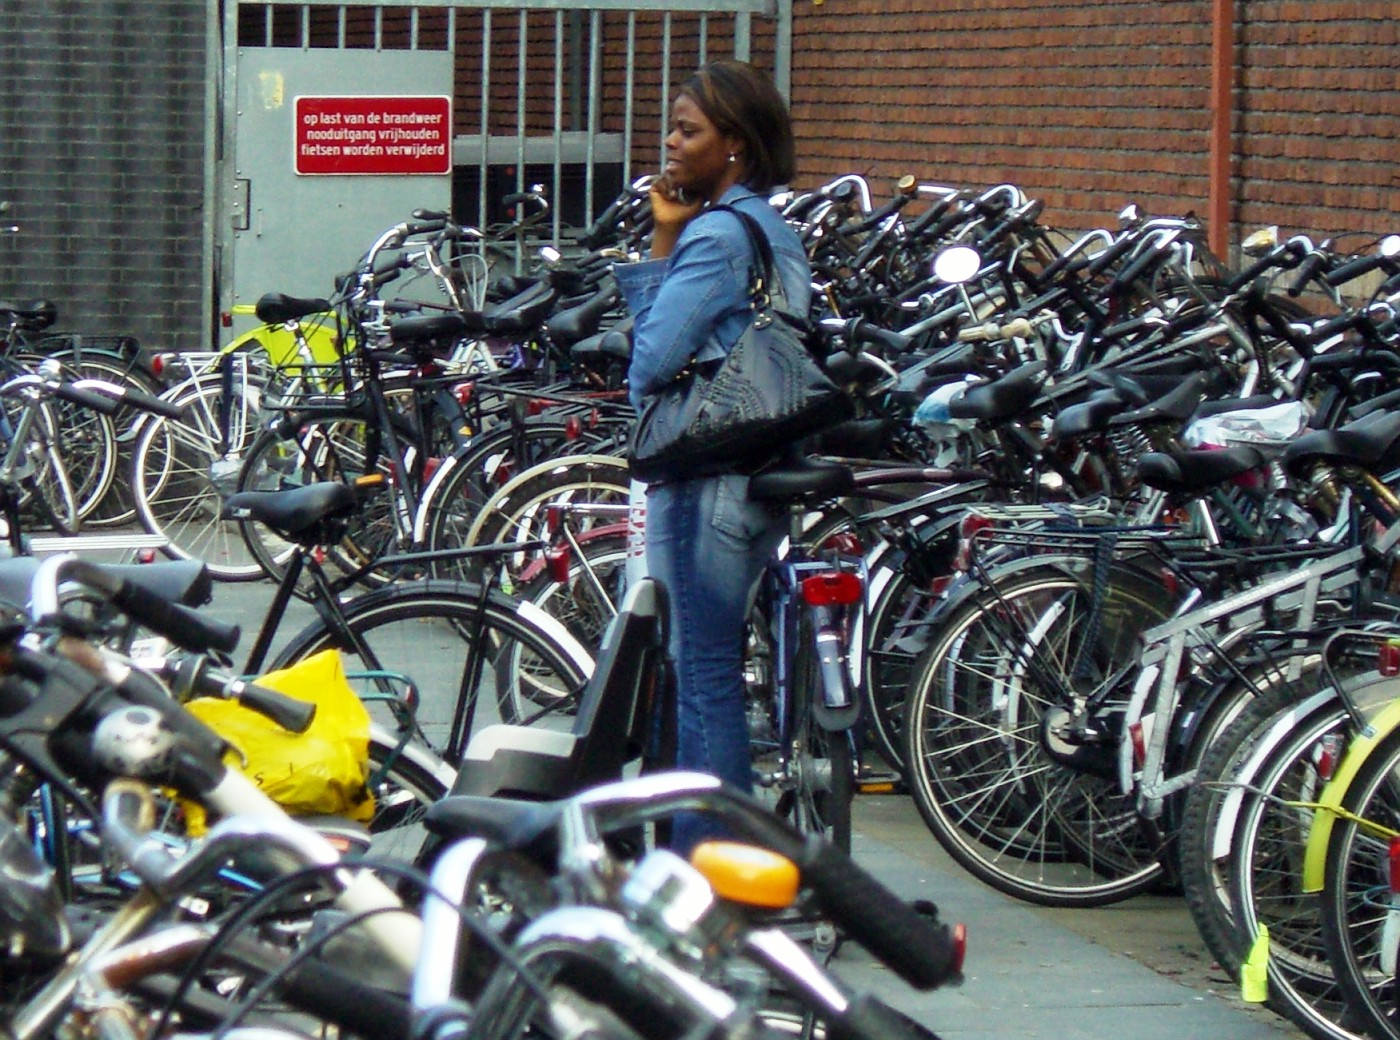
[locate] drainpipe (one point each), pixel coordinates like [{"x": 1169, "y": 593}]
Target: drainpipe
[{"x": 1222, "y": 110}]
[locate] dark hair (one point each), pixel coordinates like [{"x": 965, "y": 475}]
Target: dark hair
[{"x": 743, "y": 102}]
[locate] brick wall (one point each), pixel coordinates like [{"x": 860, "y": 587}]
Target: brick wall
[
  {"x": 1093, "y": 104},
  {"x": 101, "y": 156}
]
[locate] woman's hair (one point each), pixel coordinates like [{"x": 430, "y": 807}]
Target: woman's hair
[{"x": 743, "y": 102}]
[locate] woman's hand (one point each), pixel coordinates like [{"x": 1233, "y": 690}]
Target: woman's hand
[{"x": 671, "y": 210}]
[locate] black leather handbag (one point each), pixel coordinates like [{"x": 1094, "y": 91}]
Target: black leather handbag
[{"x": 767, "y": 393}]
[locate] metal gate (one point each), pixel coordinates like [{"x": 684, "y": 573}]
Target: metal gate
[{"x": 570, "y": 96}]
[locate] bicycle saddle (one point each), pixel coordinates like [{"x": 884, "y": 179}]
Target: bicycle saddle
[
  {"x": 309, "y": 515},
  {"x": 435, "y": 333},
  {"x": 1191, "y": 472},
  {"x": 32, "y": 314},
  {"x": 276, "y": 308},
  {"x": 809, "y": 478},
  {"x": 1002, "y": 398},
  {"x": 1091, "y": 416},
  {"x": 1372, "y": 442},
  {"x": 1176, "y": 406}
]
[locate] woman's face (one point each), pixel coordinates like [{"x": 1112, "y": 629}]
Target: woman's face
[{"x": 697, "y": 154}]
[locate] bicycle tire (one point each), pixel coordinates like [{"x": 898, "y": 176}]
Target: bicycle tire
[
  {"x": 423, "y": 632},
  {"x": 1023, "y": 822},
  {"x": 1266, "y": 850},
  {"x": 104, "y": 500},
  {"x": 824, "y": 762},
  {"x": 453, "y": 500},
  {"x": 1229, "y": 761},
  {"x": 1356, "y": 890},
  {"x": 183, "y": 470},
  {"x": 405, "y": 779}
]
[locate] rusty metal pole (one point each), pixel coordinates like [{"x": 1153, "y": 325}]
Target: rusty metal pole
[{"x": 1222, "y": 112}]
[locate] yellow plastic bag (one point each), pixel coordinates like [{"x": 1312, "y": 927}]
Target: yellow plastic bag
[{"x": 323, "y": 770}]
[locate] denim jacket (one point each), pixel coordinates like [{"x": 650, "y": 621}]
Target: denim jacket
[{"x": 694, "y": 304}]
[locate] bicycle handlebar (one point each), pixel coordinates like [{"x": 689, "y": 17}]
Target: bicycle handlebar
[
  {"x": 180, "y": 625},
  {"x": 924, "y": 954}
]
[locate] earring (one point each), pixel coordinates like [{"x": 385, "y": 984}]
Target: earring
[{"x": 732, "y": 157}]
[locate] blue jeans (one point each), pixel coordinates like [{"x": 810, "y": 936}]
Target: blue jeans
[{"x": 708, "y": 544}]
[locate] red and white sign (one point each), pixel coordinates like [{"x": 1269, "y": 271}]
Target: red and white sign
[{"x": 373, "y": 135}]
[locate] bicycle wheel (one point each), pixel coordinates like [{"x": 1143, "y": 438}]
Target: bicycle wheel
[
  {"x": 436, "y": 645},
  {"x": 1049, "y": 828},
  {"x": 404, "y": 780},
  {"x": 325, "y": 448},
  {"x": 823, "y": 766},
  {"x": 45, "y": 492},
  {"x": 186, "y": 467},
  {"x": 1212, "y": 802},
  {"x": 1263, "y": 867},
  {"x": 97, "y": 448},
  {"x": 1357, "y": 904},
  {"x": 454, "y": 499}
]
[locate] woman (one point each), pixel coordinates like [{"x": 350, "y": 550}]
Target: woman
[{"x": 730, "y": 141}]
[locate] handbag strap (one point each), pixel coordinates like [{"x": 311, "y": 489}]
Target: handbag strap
[{"x": 766, "y": 286}]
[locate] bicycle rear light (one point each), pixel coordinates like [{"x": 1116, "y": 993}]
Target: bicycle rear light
[
  {"x": 1388, "y": 659},
  {"x": 464, "y": 392},
  {"x": 573, "y": 428},
  {"x": 557, "y": 560},
  {"x": 1394, "y": 858},
  {"x": 832, "y": 589}
]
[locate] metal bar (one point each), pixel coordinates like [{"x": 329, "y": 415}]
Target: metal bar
[
  {"x": 704, "y": 42},
  {"x": 485, "y": 115},
  {"x": 629, "y": 97},
  {"x": 743, "y": 35},
  {"x": 665, "y": 85},
  {"x": 558, "y": 123},
  {"x": 782, "y": 50},
  {"x": 595, "y": 92}
]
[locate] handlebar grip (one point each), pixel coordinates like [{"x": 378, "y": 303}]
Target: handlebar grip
[
  {"x": 180, "y": 625},
  {"x": 424, "y": 227},
  {"x": 1307, "y": 271},
  {"x": 924, "y": 954},
  {"x": 1341, "y": 323},
  {"x": 86, "y": 399},
  {"x": 1355, "y": 268},
  {"x": 291, "y": 714},
  {"x": 1133, "y": 271},
  {"x": 1102, "y": 261},
  {"x": 151, "y": 403},
  {"x": 865, "y": 332}
]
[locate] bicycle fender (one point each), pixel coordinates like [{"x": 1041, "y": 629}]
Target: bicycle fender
[
  {"x": 1233, "y": 802},
  {"x": 1315, "y": 855}
]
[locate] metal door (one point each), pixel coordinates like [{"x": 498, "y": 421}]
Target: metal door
[{"x": 296, "y": 221}]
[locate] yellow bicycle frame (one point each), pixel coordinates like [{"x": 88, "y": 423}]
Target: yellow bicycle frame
[
  {"x": 1330, "y": 801},
  {"x": 283, "y": 343}
]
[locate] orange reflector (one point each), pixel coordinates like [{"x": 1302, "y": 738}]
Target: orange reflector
[{"x": 747, "y": 874}]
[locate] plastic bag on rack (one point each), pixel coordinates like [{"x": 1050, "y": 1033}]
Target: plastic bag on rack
[{"x": 323, "y": 770}]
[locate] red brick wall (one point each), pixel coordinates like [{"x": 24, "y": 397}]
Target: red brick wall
[{"x": 1092, "y": 104}]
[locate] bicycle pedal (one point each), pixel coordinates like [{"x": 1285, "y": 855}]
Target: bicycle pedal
[{"x": 880, "y": 783}]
